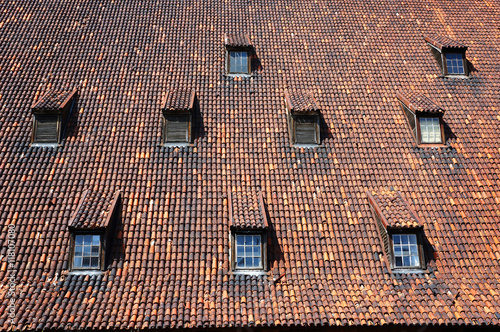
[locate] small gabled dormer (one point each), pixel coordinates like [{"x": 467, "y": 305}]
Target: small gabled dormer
[
  {"x": 303, "y": 118},
  {"x": 177, "y": 109},
  {"x": 238, "y": 54},
  {"x": 425, "y": 119},
  {"x": 50, "y": 114},
  {"x": 401, "y": 231},
  {"x": 449, "y": 54},
  {"x": 248, "y": 225},
  {"x": 90, "y": 227}
]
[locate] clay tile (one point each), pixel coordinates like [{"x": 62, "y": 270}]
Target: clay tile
[
  {"x": 247, "y": 210},
  {"x": 180, "y": 99},
  {"x": 393, "y": 210},
  {"x": 419, "y": 103},
  {"x": 94, "y": 210},
  {"x": 53, "y": 101},
  {"x": 301, "y": 101},
  {"x": 237, "y": 40},
  {"x": 442, "y": 42}
]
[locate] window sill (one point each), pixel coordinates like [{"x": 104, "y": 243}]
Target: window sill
[
  {"x": 250, "y": 272},
  {"x": 176, "y": 144},
  {"x": 85, "y": 272},
  {"x": 306, "y": 145},
  {"x": 409, "y": 271},
  {"x": 433, "y": 145},
  {"x": 45, "y": 145},
  {"x": 238, "y": 75},
  {"x": 463, "y": 77}
]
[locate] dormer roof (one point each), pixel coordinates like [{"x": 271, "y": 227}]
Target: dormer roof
[
  {"x": 237, "y": 40},
  {"x": 53, "y": 101},
  {"x": 301, "y": 101},
  {"x": 442, "y": 42},
  {"x": 95, "y": 210},
  {"x": 393, "y": 210},
  {"x": 247, "y": 211},
  {"x": 419, "y": 103},
  {"x": 178, "y": 100}
]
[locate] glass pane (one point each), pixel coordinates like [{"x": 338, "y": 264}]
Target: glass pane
[
  {"x": 404, "y": 239},
  {"x": 256, "y": 251},
  {"x": 77, "y": 262},
  {"x": 95, "y": 250},
  {"x": 406, "y": 261},
  {"x": 87, "y": 239},
  {"x": 240, "y": 262},
  {"x": 240, "y": 251},
  {"x": 396, "y": 239},
  {"x": 86, "y": 262},
  {"x": 413, "y": 238},
  {"x": 94, "y": 262},
  {"x": 78, "y": 240},
  {"x": 96, "y": 240},
  {"x": 78, "y": 250},
  {"x": 399, "y": 261},
  {"x": 86, "y": 250},
  {"x": 240, "y": 240},
  {"x": 415, "y": 261},
  {"x": 256, "y": 262},
  {"x": 256, "y": 240}
]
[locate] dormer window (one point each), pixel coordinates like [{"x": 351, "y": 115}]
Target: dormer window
[
  {"x": 177, "y": 111},
  {"x": 424, "y": 117},
  {"x": 50, "y": 114},
  {"x": 303, "y": 118},
  {"x": 449, "y": 54},
  {"x": 400, "y": 229},
  {"x": 238, "y": 54},
  {"x": 248, "y": 224},
  {"x": 91, "y": 228}
]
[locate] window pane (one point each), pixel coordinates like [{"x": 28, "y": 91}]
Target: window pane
[
  {"x": 96, "y": 240},
  {"x": 78, "y": 240},
  {"x": 240, "y": 240},
  {"x": 94, "y": 262},
  {"x": 430, "y": 130},
  {"x": 86, "y": 262},
  {"x": 454, "y": 63},
  {"x": 87, "y": 239},
  {"x": 248, "y": 251},
  {"x": 238, "y": 62},
  {"x": 77, "y": 262},
  {"x": 95, "y": 250},
  {"x": 405, "y": 248}
]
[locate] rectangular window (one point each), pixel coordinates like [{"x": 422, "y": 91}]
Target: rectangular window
[
  {"x": 46, "y": 129},
  {"x": 430, "y": 130},
  {"x": 238, "y": 62},
  {"x": 87, "y": 252},
  {"x": 248, "y": 252},
  {"x": 406, "y": 251},
  {"x": 177, "y": 128},
  {"x": 454, "y": 63},
  {"x": 306, "y": 130}
]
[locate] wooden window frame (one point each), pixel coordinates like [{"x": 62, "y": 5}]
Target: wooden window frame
[
  {"x": 189, "y": 129},
  {"x": 293, "y": 131},
  {"x": 102, "y": 254},
  {"x": 228, "y": 60},
  {"x": 263, "y": 250},
  {"x": 445, "y": 62},
  {"x": 35, "y": 127},
  {"x": 421, "y": 256},
  {"x": 419, "y": 131}
]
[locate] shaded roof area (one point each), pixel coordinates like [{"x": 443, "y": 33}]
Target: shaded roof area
[
  {"x": 393, "y": 210},
  {"x": 419, "y": 103},
  {"x": 444, "y": 42},
  {"x": 168, "y": 263}
]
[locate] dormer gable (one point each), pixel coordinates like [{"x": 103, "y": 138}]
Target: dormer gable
[
  {"x": 238, "y": 53},
  {"x": 177, "y": 109},
  {"x": 449, "y": 54},
  {"x": 50, "y": 114},
  {"x": 303, "y": 117}
]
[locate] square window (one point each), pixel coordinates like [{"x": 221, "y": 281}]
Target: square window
[
  {"x": 177, "y": 129},
  {"x": 87, "y": 251},
  {"x": 46, "y": 129},
  {"x": 455, "y": 64},
  {"x": 406, "y": 251},
  {"x": 430, "y": 130},
  {"x": 238, "y": 62},
  {"x": 306, "y": 129},
  {"x": 248, "y": 252}
]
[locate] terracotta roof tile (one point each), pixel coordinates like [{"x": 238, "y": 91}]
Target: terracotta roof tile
[
  {"x": 441, "y": 42},
  {"x": 393, "y": 210},
  {"x": 301, "y": 101},
  {"x": 237, "y": 39},
  {"x": 178, "y": 99},
  {"x": 419, "y": 103},
  {"x": 94, "y": 210},
  {"x": 247, "y": 210},
  {"x": 53, "y": 100}
]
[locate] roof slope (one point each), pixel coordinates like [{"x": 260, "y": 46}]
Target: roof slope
[{"x": 169, "y": 264}]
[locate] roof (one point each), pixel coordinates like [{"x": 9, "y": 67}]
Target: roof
[
  {"x": 169, "y": 253},
  {"x": 247, "y": 211},
  {"x": 419, "y": 103},
  {"x": 237, "y": 40},
  {"x": 179, "y": 99},
  {"x": 53, "y": 100},
  {"x": 393, "y": 210},
  {"x": 443, "y": 42},
  {"x": 300, "y": 101},
  {"x": 94, "y": 210}
]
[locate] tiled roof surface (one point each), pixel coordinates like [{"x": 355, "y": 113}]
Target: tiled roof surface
[
  {"x": 247, "y": 210},
  {"x": 94, "y": 210},
  {"x": 301, "y": 101},
  {"x": 179, "y": 99},
  {"x": 237, "y": 39},
  {"x": 394, "y": 210},
  {"x": 53, "y": 100},
  {"x": 419, "y": 103},
  {"x": 169, "y": 260},
  {"x": 443, "y": 42}
]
